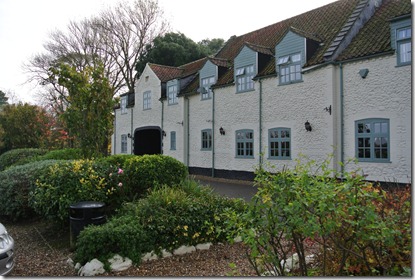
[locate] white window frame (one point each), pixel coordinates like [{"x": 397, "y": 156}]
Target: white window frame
[
  {"x": 124, "y": 143},
  {"x": 123, "y": 105},
  {"x": 404, "y": 45},
  {"x": 289, "y": 69},
  {"x": 244, "y": 76},
  {"x": 147, "y": 100},
  {"x": 172, "y": 95},
  {"x": 206, "y": 91}
]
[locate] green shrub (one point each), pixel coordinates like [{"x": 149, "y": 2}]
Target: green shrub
[
  {"x": 63, "y": 154},
  {"x": 296, "y": 209},
  {"x": 19, "y": 157},
  {"x": 167, "y": 218},
  {"x": 117, "y": 160},
  {"x": 69, "y": 182},
  {"x": 16, "y": 183},
  {"x": 144, "y": 172},
  {"x": 121, "y": 235}
]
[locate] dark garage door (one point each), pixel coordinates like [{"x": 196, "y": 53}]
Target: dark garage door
[{"x": 147, "y": 141}]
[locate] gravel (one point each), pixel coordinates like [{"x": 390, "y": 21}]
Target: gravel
[{"x": 43, "y": 250}]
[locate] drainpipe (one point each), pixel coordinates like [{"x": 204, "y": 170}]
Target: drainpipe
[
  {"x": 260, "y": 124},
  {"x": 115, "y": 133},
  {"x": 188, "y": 131},
  {"x": 213, "y": 133},
  {"x": 162, "y": 123},
  {"x": 341, "y": 121},
  {"x": 132, "y": 133}
]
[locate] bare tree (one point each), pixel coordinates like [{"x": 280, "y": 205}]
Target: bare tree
[{"x": 114, "y": 38}]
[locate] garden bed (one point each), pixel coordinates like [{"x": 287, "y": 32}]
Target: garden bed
[{"x": 42, "y": 250}]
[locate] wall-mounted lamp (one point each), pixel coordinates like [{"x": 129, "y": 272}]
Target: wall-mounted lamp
[
  {"x": 328, "y": 109},
  {"x": 307, "y": 126},
  {"x": 164, "y": 133},
  {"x": 221, "y": 131},
  {"x": 180, "y": 122},
  {"x": 363, "y": 73},
  {"x": 130, "y": 136}
]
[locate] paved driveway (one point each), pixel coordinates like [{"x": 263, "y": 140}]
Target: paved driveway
[{"x": 229, "y": 188}]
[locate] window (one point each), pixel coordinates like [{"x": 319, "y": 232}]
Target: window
[
  {"x": 279, "y": 143},
  {"x": 123, "y": 104},
  {"x": 245, "y": 143},
  {"x": 372, "y": 140},
  {"x": 404, "y": 46},
  {"x": 123, "y": 143},
  {"x": 207, "y": 139},
  {"x": 172, "y": 95},
  {"x": 147, "y": 100},
  {"x": 173, "y": 140},
  {"x": 244, "y": 76},
  {"x": 206, "y": 91},
  {"x": 290, "y": 68}
]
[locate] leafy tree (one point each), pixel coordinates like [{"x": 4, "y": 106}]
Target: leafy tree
[
  {"x": 175, "y": 49},
  {"x": 88, "y": 117},
  {"x": 24, "y": 126},
  {"x": 115, "y": 37},
  {"x": 3, "y": 98}
]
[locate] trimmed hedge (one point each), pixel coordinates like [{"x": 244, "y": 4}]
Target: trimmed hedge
[
  {"x": 63, "y": 154},
  {"x": 19, "y": 157},
  {"x": 147, "y": 171},
  {"x": 16, "y": 184}
]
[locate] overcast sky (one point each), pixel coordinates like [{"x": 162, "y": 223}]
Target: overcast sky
[{"x": 25, "y": 25}]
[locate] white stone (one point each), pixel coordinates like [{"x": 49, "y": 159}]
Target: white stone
[
  {"x": 166, "y": 254},
  {"x": 149, "y": 256},
  {"x": 70, "y": 262},
  {"x": 237, "y": 239},
  {"x": 92, "y": 268},
  {"x": 118, "y": 263},
  {"x": 184, "y": 250},
  {"x": 78, "y": 266},
  {"x": 204, "y": 246}
]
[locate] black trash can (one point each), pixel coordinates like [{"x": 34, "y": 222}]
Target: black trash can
[{"x": 85, "y": 213}]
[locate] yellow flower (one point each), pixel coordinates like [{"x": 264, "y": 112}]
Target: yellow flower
[{"x": 185, "y": 228}]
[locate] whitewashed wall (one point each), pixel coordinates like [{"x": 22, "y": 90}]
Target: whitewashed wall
[
  {"x": 122, "y": 126},
  {"x": 173, "y": 117},
  {"x": 200, "y": 112},
  {"x": 384, "y": 93}
]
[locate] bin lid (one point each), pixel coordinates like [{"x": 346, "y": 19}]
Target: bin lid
[{"x": 87, "y": 204}]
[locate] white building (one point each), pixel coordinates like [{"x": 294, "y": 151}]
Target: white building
[{"x": 335, "y": 80}]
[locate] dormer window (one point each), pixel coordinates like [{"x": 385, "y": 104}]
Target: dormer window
[
  {"x": 404, "y": 46},
  {"x": 205, "y": 90},
  {"x": 172, "y": 95},
  {"x": 289, "y": 68},
  {"x": 244, "y": 76}
]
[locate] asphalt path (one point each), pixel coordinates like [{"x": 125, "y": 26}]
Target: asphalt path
[{"x": 230, "y": 188}]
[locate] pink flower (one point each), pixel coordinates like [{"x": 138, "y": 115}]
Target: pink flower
[
  {"x": 120, "y": 171},
  {"x": 120, "y": 184}
]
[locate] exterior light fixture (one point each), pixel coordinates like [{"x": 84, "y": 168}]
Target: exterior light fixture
[
  {"x": 307, "y": 126},
  {"x": 328, "y": 109},
  {"x": 363, "y": 73},
  {"x": 221, "y": 131},
  {"x": 130, "y": 136},
  {"x": 164, "y": 133}
]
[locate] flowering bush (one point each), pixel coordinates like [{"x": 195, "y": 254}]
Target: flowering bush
[{"x": 69, "y": 182}]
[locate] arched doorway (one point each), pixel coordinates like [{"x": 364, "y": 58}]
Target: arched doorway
[{"x": 147, "y": 140}]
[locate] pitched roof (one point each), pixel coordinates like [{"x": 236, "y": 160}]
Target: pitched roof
[
  {"x": 374, "y": 37},
  {"x": 325, "y": 25},
  {"x": 165, "y": 73}
]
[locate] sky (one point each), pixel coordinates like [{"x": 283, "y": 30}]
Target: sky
[{"x": 26, "y": 24}]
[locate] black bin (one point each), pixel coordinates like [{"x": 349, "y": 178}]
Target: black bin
[{"x": 85, "y": 213}]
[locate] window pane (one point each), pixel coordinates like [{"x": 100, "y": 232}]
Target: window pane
[
  {"x": 296, "y": 57},
  {"x": 405, "y": 51},
  {"x": 404, "y": 34}
]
